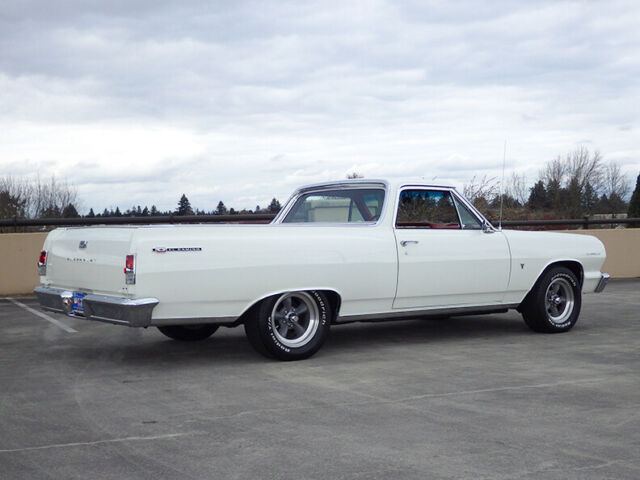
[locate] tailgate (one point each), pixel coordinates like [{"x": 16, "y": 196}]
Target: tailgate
[{"x": 88, "y": 259}]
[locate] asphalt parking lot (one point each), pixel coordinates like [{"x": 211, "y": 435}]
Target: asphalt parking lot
[{"x": 468, "y": 397}]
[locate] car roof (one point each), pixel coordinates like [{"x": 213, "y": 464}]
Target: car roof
[{"x": 389, "y": 183}]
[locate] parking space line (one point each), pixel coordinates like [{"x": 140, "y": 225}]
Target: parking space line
[
  {"x": 46, "y": 317},
  {"x": 100, "y": 442}
]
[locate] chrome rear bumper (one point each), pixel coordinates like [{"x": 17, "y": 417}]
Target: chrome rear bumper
[
  {"x": 604, "y": 278},
  {"x": 134, "y": 312}
]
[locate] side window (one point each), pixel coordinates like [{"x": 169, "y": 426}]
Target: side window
[
  {"x": 427, "y": 209},
  {"x": 468, "y": 219}
]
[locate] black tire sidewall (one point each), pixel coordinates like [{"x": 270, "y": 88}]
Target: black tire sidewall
[
  {"x": 185, "y": 334},
  {"x": 284, "y": 352},
  {"x": 540, "y": 298}
]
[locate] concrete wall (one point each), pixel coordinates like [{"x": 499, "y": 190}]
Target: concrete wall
[
  {"x": 19, "y": 255},
  {"x": 18, "y": 262},
  {"x": 623, "y": 250}
]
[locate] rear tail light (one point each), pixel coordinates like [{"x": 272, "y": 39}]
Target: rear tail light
[
  {"x": 129, "y": 270},
  {"x": 128, "y": 264},
  {"x": 42, "y": 263}
]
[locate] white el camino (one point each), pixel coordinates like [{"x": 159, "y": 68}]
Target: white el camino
[{"x": 339, "y": 252}]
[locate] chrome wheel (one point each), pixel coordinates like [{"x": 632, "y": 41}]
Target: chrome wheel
[
  {"x": 294, "y": 319},
  {"x": 553, "y": 304},
  {"x": 559, "y": 300},
  {"x": 289, "y": 326}
]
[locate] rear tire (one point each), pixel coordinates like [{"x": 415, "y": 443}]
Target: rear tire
[
  {"x": 553, "y": 305},
  {"x": 189, "y": 333},
  {"x": 290, "y": 326}
]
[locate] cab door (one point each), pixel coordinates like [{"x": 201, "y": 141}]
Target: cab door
[{"x": 445, "y": 258}]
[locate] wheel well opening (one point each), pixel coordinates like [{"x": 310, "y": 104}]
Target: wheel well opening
[
  {"x": 334, "y": 303},
  {"x": 249, "y": 313},
  {"x": 334, "y": 300},
  {"x": 575, "y": 267}
]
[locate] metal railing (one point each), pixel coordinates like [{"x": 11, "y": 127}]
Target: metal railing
[
  {"x": 585, "y": 222},
  {"x": 125, "y": 220}
]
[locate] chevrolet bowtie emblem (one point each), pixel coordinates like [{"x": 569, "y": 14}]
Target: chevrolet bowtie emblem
[{"x": 83, "y": 244}]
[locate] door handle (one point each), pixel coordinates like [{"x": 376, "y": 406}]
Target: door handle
[{"x": 404, "y": 243}]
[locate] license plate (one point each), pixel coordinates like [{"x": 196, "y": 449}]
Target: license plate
[{"x": 76, "y": 305}]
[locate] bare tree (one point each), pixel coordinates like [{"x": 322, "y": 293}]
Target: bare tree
[
  {"x": 40, "y": 198},
  {"x": 572, "y": 181},
  {"x": 585, "y": 168},
  {"x": 516, "y": 188},
  {"x": 554, "y": 172},
  {"x": 482, "y": 192},
  {"x": 579, "y": 165},
  {"x": 481, "y": 188},
  {"x": 14, "y": 196},
  {"x": 615, "y": 182}
]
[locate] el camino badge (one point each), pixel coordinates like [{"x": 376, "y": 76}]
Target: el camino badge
[{"x": 177, "y": 249}]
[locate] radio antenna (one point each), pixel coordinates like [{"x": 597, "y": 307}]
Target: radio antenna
[{"x": 504, "y": 161}]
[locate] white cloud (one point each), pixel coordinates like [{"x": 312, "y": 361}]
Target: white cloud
[{"x": 139, "y": 102}]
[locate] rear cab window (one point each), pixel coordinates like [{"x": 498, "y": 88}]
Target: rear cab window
[{"x": 344, "y": 205}]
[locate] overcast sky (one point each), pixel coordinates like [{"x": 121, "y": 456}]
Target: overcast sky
[{"x": 137, "y": 102}]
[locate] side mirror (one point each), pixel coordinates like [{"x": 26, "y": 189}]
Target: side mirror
[{"x": 487, "y": 227}]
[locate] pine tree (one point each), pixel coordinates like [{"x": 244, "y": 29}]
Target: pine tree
[
  {"x": 221, "y": 209},
  {"x": 555, "y": 195},
  {"x": 117, "y": 213},
  {"x": 572, "y": 201},
  {"x": 91, "y": 213},
  {"x": 52, "y": 211},
  {"x": 154, "y": 211},
  {"x": 274, "y": 206},
  {"x": 603, "y": 204},
  {"x": 184, "y": 206},
  {"x": 70, "y": 211},
  {"x": 538, "y": 199},
  {"x": 634, "y": 204},
  {"x": 589, "y": 198},
  {"x": 11, "y": 205}
]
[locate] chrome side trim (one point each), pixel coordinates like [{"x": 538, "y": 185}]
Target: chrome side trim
[
  {"x": 159, "y": 322},
  {"x": 408, "y": 314},
  {"x": 604, "y": 279}
]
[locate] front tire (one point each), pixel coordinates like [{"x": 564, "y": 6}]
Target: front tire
[
  {"x": 290, "y": 326},
  {"x": 189, "y": 333},
  {"x": 553, "y": 306}
]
